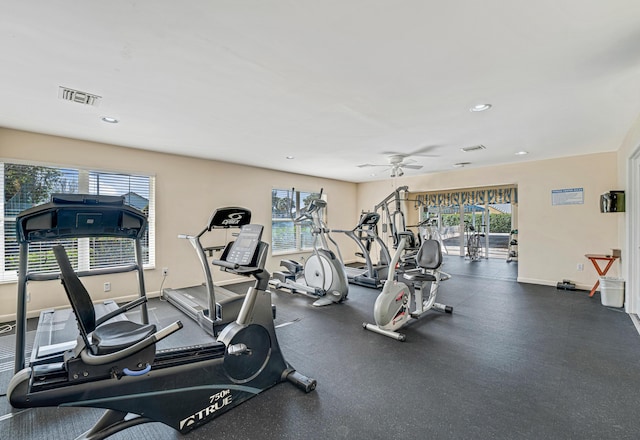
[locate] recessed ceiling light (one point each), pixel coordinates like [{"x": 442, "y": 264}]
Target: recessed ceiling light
[
  {"x": 290, "y": 157},
  {"x": 109, "y": 119},
  {"x": 373, "y": 174},
  {"x": 522, "y": 153},
  {"x": 480, "y": 107}
]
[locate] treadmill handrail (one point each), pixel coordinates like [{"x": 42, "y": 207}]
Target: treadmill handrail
[
  {"x": 125, "y": 308},
  {"x": 48, "y": 276}
]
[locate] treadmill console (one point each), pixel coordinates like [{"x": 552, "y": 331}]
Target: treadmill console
[{"x": 244, "y": 248}]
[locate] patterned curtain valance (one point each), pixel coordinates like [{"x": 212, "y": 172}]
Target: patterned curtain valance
[
  {"x": 502, "y": 195},
  {"x": 478, "y": 196}
]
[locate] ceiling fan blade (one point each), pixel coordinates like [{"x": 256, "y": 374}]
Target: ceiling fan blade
[
  {"x": 423, "y": 151},
  {"x": 394, "y": 153},
  {"x": 369, "y": 165},
  {"x": 412, "y": 167}
]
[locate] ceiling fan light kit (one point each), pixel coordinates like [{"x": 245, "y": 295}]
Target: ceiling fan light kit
[{"x": 398, "y": 162}]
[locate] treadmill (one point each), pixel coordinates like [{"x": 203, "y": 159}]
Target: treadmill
[
  {"x": 365, "y": 234},
  {"x": 69, "y": 216},
  {"x": 197, "y": 302},
  {"x": 57, "y": 331}
]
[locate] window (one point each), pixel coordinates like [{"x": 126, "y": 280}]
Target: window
[
  {"x": 25, "y": 186},
  {"x": 286, "y": 235}
]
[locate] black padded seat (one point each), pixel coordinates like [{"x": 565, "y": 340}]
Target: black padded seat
[
  {"x": 109, "y": 337},
  {"x": 418, "y": 276},
  {"x": 115, "y": 336},
  {"x": 429, "y": 257}
]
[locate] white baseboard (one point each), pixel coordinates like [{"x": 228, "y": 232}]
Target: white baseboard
[
  {"x": 551, "y": 283},
  {"x": 636, "y": 321},
  {"x": 536, "y": 281}
]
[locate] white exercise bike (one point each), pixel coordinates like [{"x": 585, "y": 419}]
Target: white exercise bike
[{"x": 398, "y": 304}]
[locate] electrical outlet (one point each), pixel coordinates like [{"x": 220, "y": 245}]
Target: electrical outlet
[
  {"x": 107, "y": 286},
  {"x": 580, "y": 267},
  {"x": 165, "y": 271}
]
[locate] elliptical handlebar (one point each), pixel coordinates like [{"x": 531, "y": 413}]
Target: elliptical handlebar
[
  {"x": 396, "y": 256},
  {"x": 303, "y": 217},
  {"x": 314, "y": 206}
]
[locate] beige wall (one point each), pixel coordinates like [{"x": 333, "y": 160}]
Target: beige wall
[
  {"x": 552, "y": 239},
  {"x": 187, "y": 191}
]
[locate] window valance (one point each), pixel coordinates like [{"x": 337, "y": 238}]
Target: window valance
[{"x": 476, "y": 196}]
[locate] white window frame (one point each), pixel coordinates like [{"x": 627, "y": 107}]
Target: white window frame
[
  {"x": 298, "y": 233},
  {"x": 83, "y": 263}
]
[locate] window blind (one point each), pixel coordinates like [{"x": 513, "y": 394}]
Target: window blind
[
  {"x": 25, "y": 186},
  {"x": 286, "y": 235}
]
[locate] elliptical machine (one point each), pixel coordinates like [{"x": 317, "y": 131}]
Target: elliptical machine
[
  {"x": 394, "y": 306},
  {"x": 366, "y": 236},
  {"x": 323, "y": 275}
]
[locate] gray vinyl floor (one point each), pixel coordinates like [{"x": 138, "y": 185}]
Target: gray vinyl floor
[{"x": 513, "y": 361}]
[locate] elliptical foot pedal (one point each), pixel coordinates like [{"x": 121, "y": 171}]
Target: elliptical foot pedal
[{"x": 324, "y": 301}]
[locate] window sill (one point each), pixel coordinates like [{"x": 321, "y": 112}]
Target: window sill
[{"x": 282, "y": 253}]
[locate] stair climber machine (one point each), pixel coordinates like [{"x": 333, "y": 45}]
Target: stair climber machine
[
  {"x": 366, "y": 236},
  {"x": 116, "y": 365},
  {"x": 197, "y": 302},
  {"x": 323, "y": 275},
  {"x": 399, "y": 303}
]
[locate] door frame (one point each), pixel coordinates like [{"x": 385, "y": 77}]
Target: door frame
[{"x": 632, "y": 219}]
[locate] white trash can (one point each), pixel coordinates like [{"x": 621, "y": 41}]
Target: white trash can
[{"x": 612, "y": 291}]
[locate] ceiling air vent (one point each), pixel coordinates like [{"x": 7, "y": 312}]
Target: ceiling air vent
[
  {"x": 474, "y": 148},
  {"x": 72, "y": 95}
]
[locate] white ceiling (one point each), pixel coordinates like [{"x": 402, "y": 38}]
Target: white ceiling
[{"x": 334, "y": 83}]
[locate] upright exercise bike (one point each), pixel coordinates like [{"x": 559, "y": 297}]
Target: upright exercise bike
[
  {"x": 323, "y": 275},
  {"x": 116, "y": 365},
  {"x": 474, "y": 244},
  {"x": 398, "y": 303}
]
